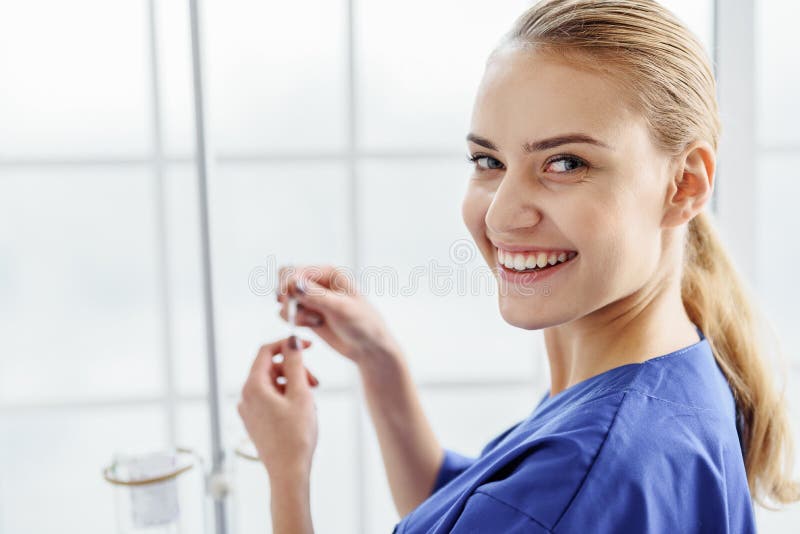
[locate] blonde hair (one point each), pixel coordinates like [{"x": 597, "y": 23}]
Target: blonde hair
[{"x": 666, "y": 73}]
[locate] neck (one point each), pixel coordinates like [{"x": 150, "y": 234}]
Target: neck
[{"x": 648, "y": 323}]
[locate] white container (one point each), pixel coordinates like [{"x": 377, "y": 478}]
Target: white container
[{"x": 160, "y": 492}]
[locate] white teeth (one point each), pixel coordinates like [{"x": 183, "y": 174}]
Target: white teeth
[
  {"x": 521, "y": 262},
  {"x": 541, "y": 259}
]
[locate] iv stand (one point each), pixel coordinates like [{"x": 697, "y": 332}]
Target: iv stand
[{"x": 217, "y": 482}]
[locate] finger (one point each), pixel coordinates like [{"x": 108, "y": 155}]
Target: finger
[
  {"x": 312, "y": 380},
  {"x": 293, "y": 368},
  {"x": 263, "y": 359},
  {"x": 278, "y": 357},
  {"x": 285, "y": 273},
  {"x": 277, "y": 370},
  {"x": 329, "y": 276},
  {"x": 317, "y": 298},
  {"x": 276, "y": 378},
  {"x": 304, "y": 317}
]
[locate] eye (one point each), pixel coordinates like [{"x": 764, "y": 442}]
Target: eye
[
  {"x": 566, "y": 163},
  {"x": 490, "y": 162}
]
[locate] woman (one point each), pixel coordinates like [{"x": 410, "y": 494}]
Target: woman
[{"x": 593, "y": 138}]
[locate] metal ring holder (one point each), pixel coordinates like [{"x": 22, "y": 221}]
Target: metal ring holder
[
  {"x": 107, "y": 471},
  {"x": 241, "y": 452}
]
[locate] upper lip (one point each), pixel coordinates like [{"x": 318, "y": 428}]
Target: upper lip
[{"x": 527, "y": 248}]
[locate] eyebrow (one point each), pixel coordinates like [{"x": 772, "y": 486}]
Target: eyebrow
[{"x": 544, "y": 144}]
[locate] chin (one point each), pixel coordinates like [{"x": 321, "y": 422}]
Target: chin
[{"x": 524, "y": 313}]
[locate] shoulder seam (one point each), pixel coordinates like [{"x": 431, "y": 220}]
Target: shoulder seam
[
  {"x": 522, "y": 512},
  {"x": 600, "y": 395},
  {"x": 594, "y": 460},
  {"x": 667, "y": 401},
  {"x": 681, "y": 352}
]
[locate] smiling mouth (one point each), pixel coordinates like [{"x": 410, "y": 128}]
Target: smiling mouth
[{"x": 533, "y": 261}]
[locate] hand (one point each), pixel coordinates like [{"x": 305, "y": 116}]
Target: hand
[
  {"x": 330, "y": 304},
  {"x": 281, "y": 419}
]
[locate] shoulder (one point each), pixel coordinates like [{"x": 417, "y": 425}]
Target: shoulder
[
  {"x": 541, "y": 473},
  {"x": 625, "y": 456},
  {"x": 664, "y": 466}
]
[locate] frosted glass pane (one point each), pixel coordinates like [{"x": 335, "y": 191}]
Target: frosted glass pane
[
  {"x": 334, "y": 494},
  {"x": 787, "y": 519},
  {"x": 778, "y": 255},
  {"x": 418, "y": 68},
  {"x": 175, "y": 76},
  {"x": 777, "y": 71},
  {"x": 53, "y": 461},
  {"x": 262, "y": 217},
  {"x": 276, "y": 76},
  {"x": 75, "y": 79},
  {"x": 441, "y": 305},
  {"x": 463, "y": 419},
  {"x": 335, "y": 504},
  {"x": 79, "y": 317},
  {"x": 417, "y": 92},
  {"x": 698, "y": 16},
  {"x": 187, "y": 326},
  {"x": 466, "y": 419}
]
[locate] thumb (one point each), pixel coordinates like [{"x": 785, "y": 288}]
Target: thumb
[
  {"x": 293, "y": 368},
  {"x": 316, "y": 296}
]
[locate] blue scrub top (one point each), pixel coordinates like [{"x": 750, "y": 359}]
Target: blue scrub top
[{"x": 645, "y": 447}]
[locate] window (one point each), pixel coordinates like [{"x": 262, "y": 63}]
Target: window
[{"x": 325, "y": 119}]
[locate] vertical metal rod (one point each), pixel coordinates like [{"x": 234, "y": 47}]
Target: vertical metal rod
[
  {"x": 161, "y": 229},
  {"x": 202, "y": 162},
  {"x": 352, "y": 171}
]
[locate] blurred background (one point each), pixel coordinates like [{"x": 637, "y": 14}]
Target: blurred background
[{"x": 337, "y": 136}]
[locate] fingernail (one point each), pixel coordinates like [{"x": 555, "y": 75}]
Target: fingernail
[{"x": 293, "y": 342}]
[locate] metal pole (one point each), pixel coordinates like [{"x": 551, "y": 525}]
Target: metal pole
[
  {"x": 163, "y": 286},
  {"x": 352, "y": 171},
  {"x": 216, "y": 480}
]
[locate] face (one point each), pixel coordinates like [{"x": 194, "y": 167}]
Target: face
[{"x": 576, "y": 221}]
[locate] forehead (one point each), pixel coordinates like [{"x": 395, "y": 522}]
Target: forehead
[{"x": 531, "y": 94}]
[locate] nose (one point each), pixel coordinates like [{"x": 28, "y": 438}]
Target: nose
[{"x": 513, "y": 207}]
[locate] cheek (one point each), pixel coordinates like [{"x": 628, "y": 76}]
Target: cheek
[
  {"x": 473, "y": 210},
  {"x": 601, "y": 231},
  {"x": 620, "y": 242}
]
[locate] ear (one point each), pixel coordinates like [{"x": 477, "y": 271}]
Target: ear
[{"x": 690, "y": 185}]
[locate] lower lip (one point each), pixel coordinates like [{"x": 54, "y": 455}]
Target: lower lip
[{"x": 517, "y": 277}]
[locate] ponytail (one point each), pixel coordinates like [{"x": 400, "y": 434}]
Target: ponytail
[{"x": 718, "y": 302}]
